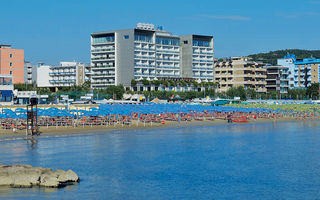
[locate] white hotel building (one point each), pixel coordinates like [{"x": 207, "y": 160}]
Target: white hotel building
[
  {"x": 64, "y": 75},
  {"x": 68, "y": 74},
  {"x": 117, "y": 57}
]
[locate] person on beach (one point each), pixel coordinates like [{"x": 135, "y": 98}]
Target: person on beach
[{"x": 229, "y": 118}]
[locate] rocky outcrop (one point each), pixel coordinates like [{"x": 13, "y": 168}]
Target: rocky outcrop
[{"x": 28, "y": 176}]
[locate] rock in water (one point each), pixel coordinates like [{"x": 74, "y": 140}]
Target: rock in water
[
  {"x": 28, "y": 176},
  {"x": 5, "y": 180},
  {"x": 49, "y": 181},
  {"x": 69, "y": 176}
]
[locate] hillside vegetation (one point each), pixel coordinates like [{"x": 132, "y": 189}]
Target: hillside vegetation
[{"x": 272, "y": 56}]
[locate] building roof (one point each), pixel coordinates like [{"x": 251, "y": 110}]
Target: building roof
[
  {"x": 5, "y": 46},
  {"x": 307, "y": 61}
]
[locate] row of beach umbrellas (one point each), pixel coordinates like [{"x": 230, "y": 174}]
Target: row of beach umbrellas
[{"x": 128, "y": 109}]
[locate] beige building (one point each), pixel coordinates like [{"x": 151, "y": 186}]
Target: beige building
[{"x": 240, "y": 71}]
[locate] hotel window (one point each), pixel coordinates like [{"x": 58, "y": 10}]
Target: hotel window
[
  {"x": 126, "y": 37},
  {"x": 10, "y": 64},
  {"x": 10, "y": 72},
  {"x": 10, "y": 55}
]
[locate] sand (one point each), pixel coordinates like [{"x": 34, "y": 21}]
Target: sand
[{"x": 7, "y": 135}]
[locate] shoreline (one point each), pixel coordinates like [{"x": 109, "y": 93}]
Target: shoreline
[{"x": 8, "y": 135}]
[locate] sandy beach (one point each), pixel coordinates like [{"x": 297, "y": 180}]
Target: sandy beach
[{"x": 7, "y": 135}]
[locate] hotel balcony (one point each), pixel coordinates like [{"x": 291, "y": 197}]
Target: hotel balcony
[
  {"x": 100, "y": 59},
  {"x": 63, "y": 81},
  {"x": 101, "y": 51},
  {"x": 102, "y": 67}
]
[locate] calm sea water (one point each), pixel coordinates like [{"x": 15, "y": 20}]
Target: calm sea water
[{"x": 253, "y": 161}]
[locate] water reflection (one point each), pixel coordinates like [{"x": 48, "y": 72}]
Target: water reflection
[{"x": 32, "y": 143}]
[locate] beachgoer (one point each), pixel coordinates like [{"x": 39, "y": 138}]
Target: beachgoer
[{"x": 229, "y": 118}]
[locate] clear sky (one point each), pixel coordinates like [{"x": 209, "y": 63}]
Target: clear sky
[{"x": 51, "y": 31}]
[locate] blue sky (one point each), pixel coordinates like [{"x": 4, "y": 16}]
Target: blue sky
[{"x": 51, "y": 31}]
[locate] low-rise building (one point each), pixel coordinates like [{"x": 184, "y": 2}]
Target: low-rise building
[
  {"x": 68, "y": 74},
  {"x": 23, "y": 97},
  {"x": 240, "y": 71},
  {"x": 6, "y": 90},
  {"x": 277, "y": 79},
  {"x": 64, "y": 75}
]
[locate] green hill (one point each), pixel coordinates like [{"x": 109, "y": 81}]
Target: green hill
[{"x": 272, "y": 56}]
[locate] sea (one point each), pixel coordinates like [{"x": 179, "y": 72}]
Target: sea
[{"x": 239, "y": 161}]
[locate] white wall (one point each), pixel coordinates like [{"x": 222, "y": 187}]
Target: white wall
[
  {"x": 288, "y": 62},
  {"x": 43, "y": 76},
  {"x": 65, "y": 64}
]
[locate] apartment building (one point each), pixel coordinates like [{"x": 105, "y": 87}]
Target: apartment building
[
  {"x": 117, "y": 57},
  {"x": 277, "y": 79},
  {"x": 68, "y": 74},
  {"x": 302, "y": 72},
  {"x": 240, "y": 71},
  {"x": 12, "y": 63},
  {"x": 6, "y": 90},
  {"x": 64, "y": 75},
  {"x": 288, "y": 61},
  {"x": 306, "y": 72}
]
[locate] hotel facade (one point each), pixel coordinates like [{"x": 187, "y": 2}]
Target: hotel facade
[
  {"x": 64, "y": 75},
  {"x": 277, "y": 79},
  {"x": 301, "y": 72},
  {"x": 117, "y": 57},
  {"x": 306, "y": 72},
  {"x": 240, "y": 71}
]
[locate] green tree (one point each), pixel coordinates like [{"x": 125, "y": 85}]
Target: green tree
[
  {"x": 133, "y": 83},
  {"x": 272, "y": 56},
  {"x": 251, "y": 93},
  {"x": 145, "y": 82},
  {"x": 116, "y": 91},
  {"x": 313, "y": 91},
  {"x": 23, "y": 87},
  {"x": 297, "y": 94},
  {"x": 183, "y": 83},
  {"x": 165, "y": 83},
  {"x": 237, "y": 92},
  {"x": 156, "y": 82},
  {"x": 273, "y": 95},
  {"x": 86, "y": 86},
  {"x": 172, "y": 83}
]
